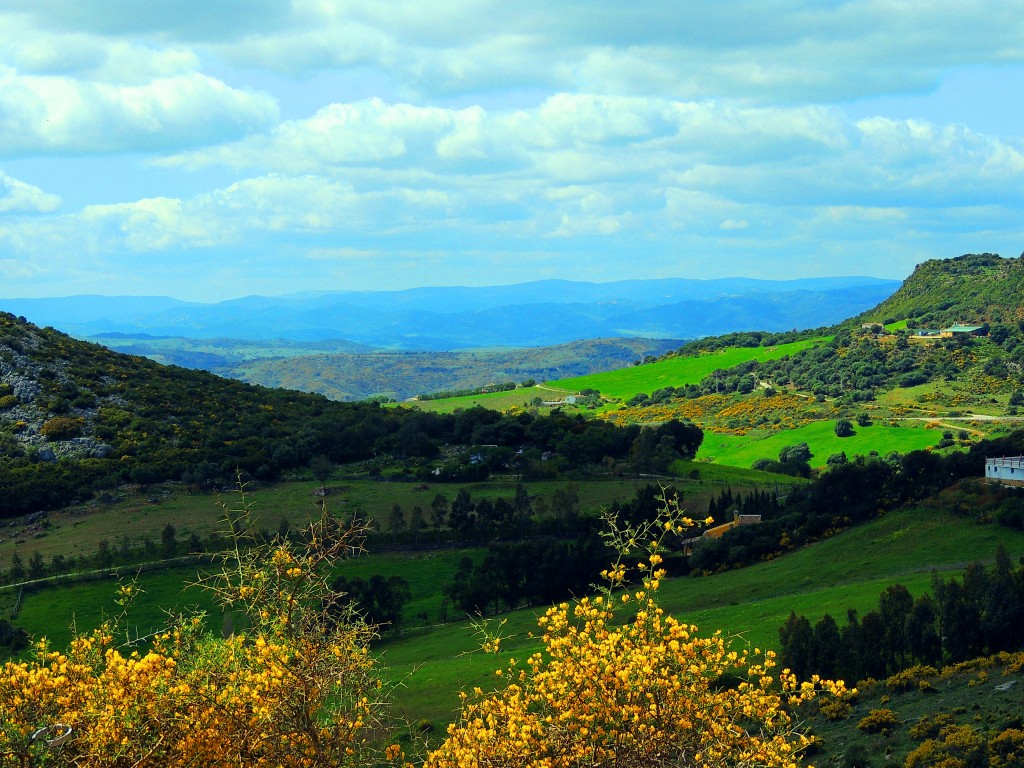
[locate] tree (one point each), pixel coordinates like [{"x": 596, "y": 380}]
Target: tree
[
  {"x": 844, "y": 428},
  {"x": 36, "y": 568},
  {"x": 894, "y": 607},
  {"x": 923, "y": 641},
  {"x": 438, "y": 510},
  {"x": 799, "y": 453},
  {"x": 169, "y": 541},
  {"x": 396, "y": 520},
  {"x": 827, "y": 646},
  {"x": 461, "y": 517},
  {"x": 104, "y": 557},
  {"x": 17, "y": 571},
  {"x": 837, "y": 459},
  {"x": 417, "y": 522},
  {"x": 796, "y": 640},
  {"x": 320, "y": 467}
]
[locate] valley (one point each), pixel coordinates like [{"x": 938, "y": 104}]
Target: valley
[{"x": 857, "y": 448}]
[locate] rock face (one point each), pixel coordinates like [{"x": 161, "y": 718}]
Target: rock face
[{"x": 42, "y": 388}]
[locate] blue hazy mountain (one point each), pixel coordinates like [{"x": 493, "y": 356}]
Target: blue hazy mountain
[{"x": 528, "y": 314}]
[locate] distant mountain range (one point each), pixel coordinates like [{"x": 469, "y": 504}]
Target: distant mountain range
[{"x": 530, "y": 314}]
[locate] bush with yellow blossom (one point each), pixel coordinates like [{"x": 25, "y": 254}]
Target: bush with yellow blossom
[
  {"x": 649, "y": 691},
  {"x": 296, "y": 688}
]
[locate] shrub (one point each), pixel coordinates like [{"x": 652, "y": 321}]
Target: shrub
[
  {"x": 1007, "y": 749},
  {"x": 879, "y": 721},
  {"x": 62, "y": 428},
  {"x": 649, "y": 692},
  {"x": 958, "y": 746},
  {"x": 844, "y": 428},
  {"x": 7, "y": 401},
  {"x": 910, "y": 677},
  {"x": 929, "y": 727},
  {"x": 835, "y": 709}
]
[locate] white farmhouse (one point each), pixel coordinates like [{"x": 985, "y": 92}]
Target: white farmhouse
[{"x": 1008, "y": 470}]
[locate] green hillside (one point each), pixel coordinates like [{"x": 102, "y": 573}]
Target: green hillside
[
  {"x": 848, "y": 570},
  {"x": 78, "y": 420},
  {"x": 623, "y": 383},
  {"x": 970, "y": 288}
]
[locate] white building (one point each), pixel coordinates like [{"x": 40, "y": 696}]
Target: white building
[{"x": 1007, "y": 469}]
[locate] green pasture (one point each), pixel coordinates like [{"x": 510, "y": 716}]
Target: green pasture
[
  {"x": 496, "y": 401},
  {"x": 53, "y": 611},
  {"x": 820, "y": 436},
  {"x": 676, "y": 371},
  {"x": 140, "y": 514},
  {"x": 726, "y": 475}
]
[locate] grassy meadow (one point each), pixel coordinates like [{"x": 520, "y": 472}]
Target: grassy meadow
[
  {"x": 676, "y": 371},
  {"x": 820, "y": 436},
  {"x": 523, "y": 397},
  {"x": 138, "y": 515},
  {"x": 431, "y": 661}
]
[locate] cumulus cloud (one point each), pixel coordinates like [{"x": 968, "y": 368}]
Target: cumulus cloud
[
  {"x": 18, "y": 197},
  {"x": 182, "y": 19},
  {"x": 70, "y": 116},
  {"x": 748, "y": 50}
]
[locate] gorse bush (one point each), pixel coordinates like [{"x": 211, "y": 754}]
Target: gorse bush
[
  {"x": 298, "y": 686},
  {"x": 647, "y": 692}
]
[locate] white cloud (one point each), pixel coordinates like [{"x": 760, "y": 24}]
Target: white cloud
[
  {"x": 18, "y": 197},
  {"x": 760, "y": 52},
  {"x": 734, "y": 224},
  {"x": 517, "y": 128},
  {"x": 68, "y": 116}
]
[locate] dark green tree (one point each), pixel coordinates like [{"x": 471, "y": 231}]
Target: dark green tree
[
  {"x": 169, "y": 541},
  {"x": 439, "y": 510},
  {"x": 36, "y": 567},
  {"x": 827, "y": 647},
  {"x": 796, "y": 641}
]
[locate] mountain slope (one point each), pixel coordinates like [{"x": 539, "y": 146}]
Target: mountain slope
[{"x": 977, "y": 288}]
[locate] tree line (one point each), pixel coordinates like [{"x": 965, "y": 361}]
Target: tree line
[{"x": 979, "y": 614}]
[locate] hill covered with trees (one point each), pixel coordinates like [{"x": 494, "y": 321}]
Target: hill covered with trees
[
  {"x": 76, "y": 418},
  {"x": 897, "y": 346}
]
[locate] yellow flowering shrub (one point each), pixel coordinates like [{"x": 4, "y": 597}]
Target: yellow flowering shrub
[
  {"x": 296, "y": 688},
  {"x": 649, "y": 691}
]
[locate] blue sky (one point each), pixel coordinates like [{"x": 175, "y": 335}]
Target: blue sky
[{"x": 207, "y": 150}]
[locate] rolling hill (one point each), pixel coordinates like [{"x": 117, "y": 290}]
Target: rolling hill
[{"x": 348, "y": 371}]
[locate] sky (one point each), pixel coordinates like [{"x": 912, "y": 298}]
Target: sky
[{"x": 212, "y": 149}]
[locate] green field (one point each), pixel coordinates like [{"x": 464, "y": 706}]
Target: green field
[
  {"x": 821, "y": 438},
  {"x": 676, "y": 371},
  {"x": 499, "y": 401}
]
